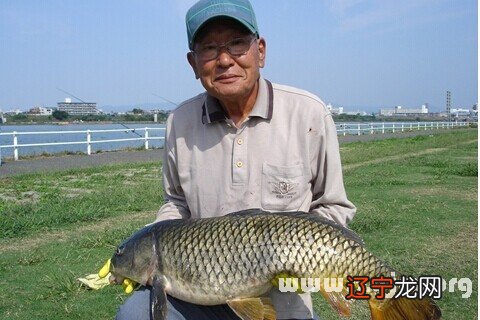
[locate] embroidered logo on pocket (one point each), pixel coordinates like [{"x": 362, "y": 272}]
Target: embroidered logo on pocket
[{"x": 284, "y": 189}]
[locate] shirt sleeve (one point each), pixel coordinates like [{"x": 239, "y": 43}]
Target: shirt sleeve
[
  {"x": 329, "y": 196},
  {"x": 175, "y": 206}
]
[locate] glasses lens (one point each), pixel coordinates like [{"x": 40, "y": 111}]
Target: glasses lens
[
  {"x": 207, "y": 52},
  {"x": 235, "y": 47},
  {"x": 239, "y": 46}
]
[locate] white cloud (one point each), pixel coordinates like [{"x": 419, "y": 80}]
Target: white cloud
[
  {"x": 361, "y": 14},
  {"x": 341, "y": 7}
]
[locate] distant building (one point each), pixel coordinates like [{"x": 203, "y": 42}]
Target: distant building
[
  {"x": 474, "y": 112},
  {"x": 459, "y": 112},
  {"x": 334, "y": 110},
  {"x": 356, "y": 113},
  {"x": 13, "y": 112},
  {"x": 78, "y": 108},
  {"x": 40, "y": 111},
  {"x": 161, "y": 111},
  {"x": 399, "y": 110}
]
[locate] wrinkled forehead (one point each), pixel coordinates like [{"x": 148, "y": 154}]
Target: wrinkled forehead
[{"x": 220, "y": 25}]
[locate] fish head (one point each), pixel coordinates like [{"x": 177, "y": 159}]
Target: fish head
[{"x": 135, "y": 259}]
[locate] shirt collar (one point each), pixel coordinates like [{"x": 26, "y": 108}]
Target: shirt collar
[{"x": 263, "y": 107}]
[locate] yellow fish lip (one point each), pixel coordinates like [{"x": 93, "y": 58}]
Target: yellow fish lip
[
  {"x": 128, "y": 285},
  {"x": 105, "y": 270}
]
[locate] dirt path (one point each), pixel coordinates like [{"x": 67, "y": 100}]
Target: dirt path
[
  {"x": 71, "y": 232},
  {"x": 402, "y": 156}
]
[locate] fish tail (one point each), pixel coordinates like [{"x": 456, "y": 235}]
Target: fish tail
[{"x": 404, "y": 309}]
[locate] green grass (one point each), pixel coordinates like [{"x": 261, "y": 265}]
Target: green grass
[
  {"x": 416, "y": 210},
  {"x": 33, "y": 203}
]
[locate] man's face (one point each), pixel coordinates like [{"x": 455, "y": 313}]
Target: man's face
[{"x": 227, "y": 77}]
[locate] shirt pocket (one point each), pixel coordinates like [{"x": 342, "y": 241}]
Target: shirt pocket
[{"x": 284, "y": 188}]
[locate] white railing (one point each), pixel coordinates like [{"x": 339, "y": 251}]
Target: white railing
[
  {"x": 393, "y": 127},
  {"x": 88, "y": 139},
  {"x": 342, "y": 129}
]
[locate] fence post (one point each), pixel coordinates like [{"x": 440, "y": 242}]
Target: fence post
[
  {"x": 371, "y": 128},
  {"x": 411, "y": 126},
  {"x": 89, "y": 140},
  {"x": 437, "y": 125},
  {"x": 344, "y": 129},
  {"x": 402, "y": 126},
  {"x": 393, "y": 127},
  {"x": 358, "y": 129},
  {"x": 425, "y": 127},
  {"x": 418, "y": 125},
  {"x": 15, "y": 147},
  {"x": 146, "y": 138},
  {"x": 383, "y": 127}
]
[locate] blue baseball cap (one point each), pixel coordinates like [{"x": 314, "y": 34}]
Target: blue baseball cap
[{"x": 205, "y": 10}]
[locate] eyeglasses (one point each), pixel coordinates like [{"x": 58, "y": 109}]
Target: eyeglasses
[{"x": 235, "y": 47}]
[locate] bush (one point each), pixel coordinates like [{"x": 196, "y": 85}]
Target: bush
[{"x": 60, "y": 115}]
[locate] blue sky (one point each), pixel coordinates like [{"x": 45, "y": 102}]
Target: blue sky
[{"x": 356, "y": 53}]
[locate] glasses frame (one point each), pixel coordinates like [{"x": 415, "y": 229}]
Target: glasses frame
[{"x": 225, "y": 45}]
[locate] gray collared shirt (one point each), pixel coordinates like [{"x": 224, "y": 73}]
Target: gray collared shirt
[{"x": 283, "y": 157}]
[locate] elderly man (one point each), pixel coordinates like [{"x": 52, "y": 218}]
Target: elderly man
[{"x": 244, "y": 143}]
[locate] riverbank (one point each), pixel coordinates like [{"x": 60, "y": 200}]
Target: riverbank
[{"x": 66, "y": 162}]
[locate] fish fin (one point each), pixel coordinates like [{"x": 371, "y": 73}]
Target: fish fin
[
  {"x": 404, "y": 308},
  {"x": 338, "y": 302},
  {"x": 158, "y": 299},
  {"x": 268, "y": 309},
  {"x": 253, "y": 308}
]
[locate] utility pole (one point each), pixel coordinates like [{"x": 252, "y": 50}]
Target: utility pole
[{"x": 449, "y": 104}]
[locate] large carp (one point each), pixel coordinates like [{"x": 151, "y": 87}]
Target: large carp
[{"x": 235, "y": 259}]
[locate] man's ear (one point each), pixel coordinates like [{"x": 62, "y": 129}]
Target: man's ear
[
  {"x": 262, "y": 52},
  {"x": 193, "y": 63}
]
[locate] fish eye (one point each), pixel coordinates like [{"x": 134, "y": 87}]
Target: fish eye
[{"x": 119, "y": 251}]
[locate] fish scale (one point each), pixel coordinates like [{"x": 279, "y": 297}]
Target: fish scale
[
  {"x": 216, "y": 260},
  {"x": 245, "y": 242}
]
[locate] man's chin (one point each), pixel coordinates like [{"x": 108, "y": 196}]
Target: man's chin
[{"x": 229, "y": 92}]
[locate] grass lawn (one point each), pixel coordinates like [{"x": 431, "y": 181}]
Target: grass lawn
[{"x": 416, "y": 200}]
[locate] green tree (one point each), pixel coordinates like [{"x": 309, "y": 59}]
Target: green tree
[
  {"x": 60, "y": 115},
  {"x": 19, "y": 117}
]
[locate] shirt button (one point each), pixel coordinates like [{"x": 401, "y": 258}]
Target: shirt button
[
  {"x": 240, "y": 141},
  {"x": 239, "y": 164}
]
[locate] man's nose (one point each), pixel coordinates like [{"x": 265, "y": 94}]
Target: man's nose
[{"x": 224, "y": 58}]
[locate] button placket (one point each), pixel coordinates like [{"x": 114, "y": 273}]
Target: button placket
[{"x": 239, "y": 167}]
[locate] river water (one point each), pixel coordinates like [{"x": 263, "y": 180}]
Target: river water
[{"x": 6, "y": 140}]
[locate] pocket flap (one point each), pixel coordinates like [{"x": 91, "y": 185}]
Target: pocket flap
[{"x": 281, "y": 171}]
